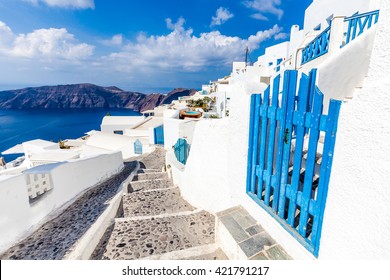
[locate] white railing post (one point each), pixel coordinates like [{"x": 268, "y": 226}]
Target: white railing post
[{"x": 336, "y": 34}]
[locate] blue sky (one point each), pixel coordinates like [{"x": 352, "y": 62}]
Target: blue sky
[{"x": 148, "y": 46}]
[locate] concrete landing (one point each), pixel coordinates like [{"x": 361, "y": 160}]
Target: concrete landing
[{"x": 242, "y": 237}]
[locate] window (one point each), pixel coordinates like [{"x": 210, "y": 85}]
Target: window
[
  {"x": 317, "y": 28},
  {"x": 120, "y": 132},
  {"x": 278, "y": 62}
]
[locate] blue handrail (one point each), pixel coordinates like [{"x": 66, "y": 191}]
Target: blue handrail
[
  {"x": 316, "y": 48},
  {"x": 358, "y": 23}
]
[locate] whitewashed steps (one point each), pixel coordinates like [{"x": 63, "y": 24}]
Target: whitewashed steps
[
  {"x": 149, "y": 185},
  {"x": 154, "y": 203},
  {"x": 142, "y": 238},
  {"x": 150, "y": 176}
]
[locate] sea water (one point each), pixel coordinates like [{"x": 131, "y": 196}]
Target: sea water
[{"x": 18, "y": 126}]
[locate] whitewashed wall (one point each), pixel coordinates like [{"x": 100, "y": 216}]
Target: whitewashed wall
[
  {"x": 335, "y": 76},
  {"x": 273, "y": 53},
  {"x": 356, "y": 223},
  {"x": 318, "y": 12},
  {"x": 205, "y": 181},
  {"x": 171, "y": 132},
  {"x": 69, "y": 179},
  {"x": 112, "y": 142}
]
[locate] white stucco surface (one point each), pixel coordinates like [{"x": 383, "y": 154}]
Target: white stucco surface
[
  {"x": 319, "y": 11},
  {"x": 110, "y": 142},
  {"x": 345, "y": 70},
  {"x": 68, "y": 180},
  {"x": 205, "y": 179},
  {"x": 112, "y": 123},
  {"x": 273, "y": 53},
  {"x": 356, "y": 223}
]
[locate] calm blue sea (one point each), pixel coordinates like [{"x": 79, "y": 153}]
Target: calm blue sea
[{"x": 19, "y": 126}]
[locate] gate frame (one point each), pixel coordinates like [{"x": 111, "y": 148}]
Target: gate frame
[{"x": 307, "y": 116}]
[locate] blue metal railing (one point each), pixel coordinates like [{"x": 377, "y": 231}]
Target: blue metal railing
[
  {"x": 316, "y": 48},
  {"x": 358, "y": 23}
]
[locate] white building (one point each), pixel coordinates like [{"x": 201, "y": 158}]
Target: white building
[{"x": 118, "y": 124}]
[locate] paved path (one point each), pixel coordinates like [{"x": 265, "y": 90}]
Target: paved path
[
  {"x": 157, "y": 222},
  {"x": 56, "y": 238}
]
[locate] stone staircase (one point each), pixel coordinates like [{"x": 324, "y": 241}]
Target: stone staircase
[{"x": 157, "y": 223}]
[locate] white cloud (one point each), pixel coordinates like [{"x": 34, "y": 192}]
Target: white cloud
[
  {"x": 116, "y": 40},
  {"x": 264, "y": 7},
  {"x": 222, "y": 15},
  {"x": 178, "y": 26},
  {"x": 259, "y": 16},
  {"x": 49, "y": 43},
  {"x": 182, "y": 51},
  {"x": 281, "y": 36},
  {"x": 77, "y": 4}
]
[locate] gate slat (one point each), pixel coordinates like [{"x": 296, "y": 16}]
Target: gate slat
[
  {"x": 271, "y": 141},
  {"x": 326, "y": 167},
  {"x": 287, "y": 136},
  {"x": 310, "y": 162},
  {"x": 250, "y": 141},
  {"x": 282, "y": 124},
  {"x": 263, "y": 137},
  {"x": 255, "y": 142},
  {"x": 302, "y": 105}
]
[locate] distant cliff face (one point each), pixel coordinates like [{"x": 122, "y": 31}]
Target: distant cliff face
[{"x": 82, "y": 96}]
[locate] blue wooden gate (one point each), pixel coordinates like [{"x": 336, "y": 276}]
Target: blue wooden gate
[
  {"x": 288, "y": 170},
  {"x": 182, "y": 150},
  {"x": 159, "y": 135},
  {"x": 137, "y": 147}
]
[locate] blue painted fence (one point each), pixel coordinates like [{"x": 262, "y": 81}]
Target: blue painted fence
[
  {"x": 358, "y": 23},
  {"x": 137, "y": 147},
  {"x": 316, "y": 48},
  {"x": 289, "y": 181},
  {"x": 182, "y": 150},
  {"x": 159, "y": 135}
]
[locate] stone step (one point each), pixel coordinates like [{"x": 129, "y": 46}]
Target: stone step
[
  {"x": 147, "y": 185},
  {"x": 216, "y": 255},
  {"x": 204, "y": 252},
  {"x": 150, "y": 176},
  {"x": 241, "y": 237},
  {"x": 154, "y": 203},
  {"x": 136, "y": 239},
  {"x": 148, "y": 170}
]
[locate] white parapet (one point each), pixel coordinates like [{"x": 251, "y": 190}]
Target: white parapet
[{"x": 60, "y": 184}]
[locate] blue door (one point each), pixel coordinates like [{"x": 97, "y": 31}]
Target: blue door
[
  {"x": 159, "y": 135},
  {"x": 138, "y": 147},
  {"x": 182, "y": 150}
]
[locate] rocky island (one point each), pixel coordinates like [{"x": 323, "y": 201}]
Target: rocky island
[{"x": 85, "y": 96}]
